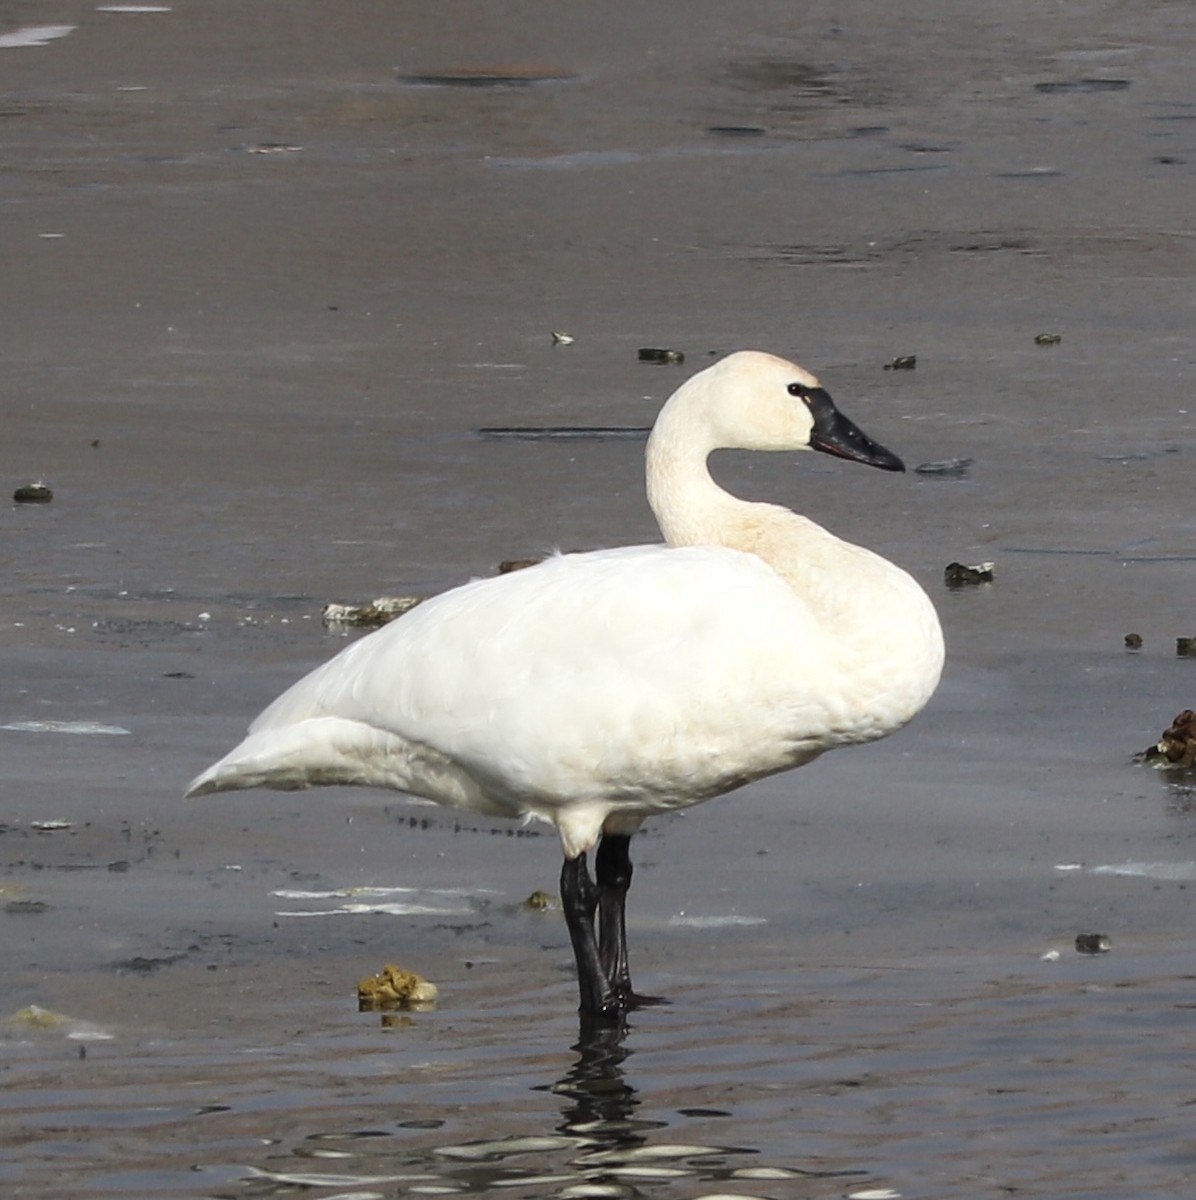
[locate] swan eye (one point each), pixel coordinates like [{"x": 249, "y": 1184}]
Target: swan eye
[{"x": 800, "y": 390}]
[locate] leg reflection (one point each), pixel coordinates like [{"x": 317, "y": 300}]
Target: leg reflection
[{"x": 601, "y": 1103}]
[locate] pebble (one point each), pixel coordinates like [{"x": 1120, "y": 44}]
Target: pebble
[{"x": 33, "y": 493}]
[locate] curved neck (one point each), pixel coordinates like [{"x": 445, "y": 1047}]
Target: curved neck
[{"x": 690, "y": 508}]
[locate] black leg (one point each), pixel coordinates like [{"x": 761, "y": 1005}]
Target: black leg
[
  {"x": 579, "y": 898},
  {"x": 612, "y": 872},
  {"x": 612, "y": 869}
]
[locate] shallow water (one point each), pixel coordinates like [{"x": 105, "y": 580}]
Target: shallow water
[
  {"x": 897, "y": 1079},
  {"x": 262, "y": 293}
]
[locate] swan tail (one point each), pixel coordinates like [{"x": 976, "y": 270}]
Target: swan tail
[{"x": 311, "y": 753}]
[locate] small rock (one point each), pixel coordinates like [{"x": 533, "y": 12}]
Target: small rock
[
  {"x": 538, "y": 902},
  {"x": 1133, "y": 641},
  {"x": 517, "y": 564},
  {"x": 521, "y": 564},
  {"x": 33, "y": 493},
  {"x": 367, "y": 616},
  {"x": 561, "y": 339},
  {"x": 903, "y": 362},
  {"x": 654, "y": 354},
  {"x": 1047, "y": 339},
  {"x": 957, "y": 575},
  {"x": 1093, "y": 943},
  {"x": 139, "y": 964},
  {"x": 1185, "y": 647}
]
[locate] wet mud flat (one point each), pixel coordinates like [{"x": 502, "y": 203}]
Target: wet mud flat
[
  {"x": 267, "y": 277},
  {"x": 872, "y": 966},
  {"x": 923, "y": 1078}
]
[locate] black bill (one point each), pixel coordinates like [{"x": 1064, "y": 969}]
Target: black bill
[{"x": 836, "y": 434}]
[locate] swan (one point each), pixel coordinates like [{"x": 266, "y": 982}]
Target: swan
[{"x": 596, "y": 689}]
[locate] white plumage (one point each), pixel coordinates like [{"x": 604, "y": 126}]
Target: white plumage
[{"x": 595, "y": 689}]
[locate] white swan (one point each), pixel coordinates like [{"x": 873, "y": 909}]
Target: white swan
[{"x": 595, "y": 689}]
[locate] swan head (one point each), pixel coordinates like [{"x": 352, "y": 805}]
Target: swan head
[{"x": 756, "y": 401}]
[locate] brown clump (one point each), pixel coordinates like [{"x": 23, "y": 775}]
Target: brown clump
[
  {"x": 517, "y": 564},
  {"x": 394, "y": 987},
  {"x": 1177, "y": 747}
]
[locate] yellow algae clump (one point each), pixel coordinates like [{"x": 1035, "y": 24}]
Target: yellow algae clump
[
  {"x": 394, "y": 987},
  {"x": 33, "y": 1016}
]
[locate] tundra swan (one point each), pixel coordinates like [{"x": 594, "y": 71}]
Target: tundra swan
[{"x": 596, "y": 689}]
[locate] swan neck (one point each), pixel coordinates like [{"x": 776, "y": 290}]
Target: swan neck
[{"x": 690, "y": 508}]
